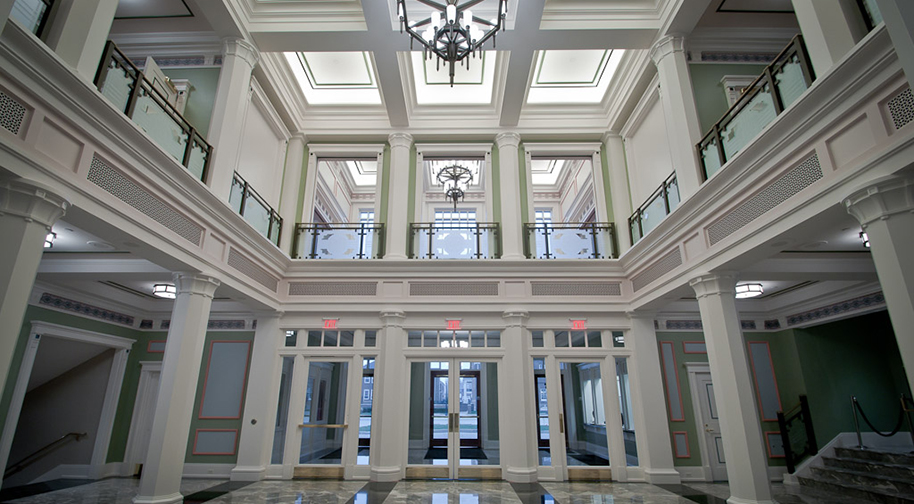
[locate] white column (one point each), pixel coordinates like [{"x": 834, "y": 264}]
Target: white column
[
  {"x": 516, "y": 412},
  {"x": 27, "y": 212},
  {"x": 391, "y": 388},
  {"x": 397, "y": 226},
  {"x": 5, "y": 9},
  {"x": 830, "y": 29},
  {"x": 80, "y": 31},
  {"x": 747, "y": 459},
  {"x": 899, "y": 20},
  {"x": 291, "y": 183},
  {"x": 682, "y": 126},
  {"x": 512, "y": 221},
  {"x": 164, "y": 465},
  {"x": 886, "y": 212},
  {"x": 239, "y": 58},
  {"x": 618, "y": 186},
  {"x": 655, "y": 451},
  {"x": 259, "y": 419}
]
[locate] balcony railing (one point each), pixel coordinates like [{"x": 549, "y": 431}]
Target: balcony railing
[
  {"x": 128, "y": 89},
  {"x": 245, "y": 200},
  {"x": 663, "y": 201},
  {"x": 33, "y": 14},
  {"x": 570, "y": 240},
  {"x": 472, "y": 240},
  {"x": 783, "y": 81},
  {"x": 870, "y": 11},
  {"x": 339, "y": 241}
]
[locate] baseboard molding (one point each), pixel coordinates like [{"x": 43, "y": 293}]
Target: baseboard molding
[
  {"x": 662, "y": 476},
  {"x": 248, "y": 473},
  {"x": 694, "y": 473},
  {"x": 204, "y": 471}
]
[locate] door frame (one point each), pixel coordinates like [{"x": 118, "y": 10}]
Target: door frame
[
  {"x": 145, "y": 403},
  {"x": 96, "y": 467},
  {"x": 454, "y": 359},
  {"x": 694, "y": 369}
]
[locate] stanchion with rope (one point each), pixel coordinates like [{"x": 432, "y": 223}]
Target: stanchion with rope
[{"x": 856, "y": 406}]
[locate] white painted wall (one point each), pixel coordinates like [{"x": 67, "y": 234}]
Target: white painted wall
[
  {"x": 261, "y": 159},
  {"x": 647, "y": 149}
]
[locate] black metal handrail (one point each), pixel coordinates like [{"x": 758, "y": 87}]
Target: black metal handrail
[
  {"x": 596, "y": 231},
  {"x": 114, "y": 58},
  {"x": 366, "y": 233},
  {"x": 662, "y": 191},
  {"x": 42, "y": 452},
  {"x": 870, "y": 12},
  {"x": 797, "y": 434},
  {"x": 766, "y": 80},
  {"x": 274, "y": 227},
  {"x": 477, "y": 228}
]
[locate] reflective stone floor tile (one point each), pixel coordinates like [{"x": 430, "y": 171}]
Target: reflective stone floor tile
[
  {"x": 293, "y": 492},
  {"x": 611, "y": 493},
  {"x": 452, "y": 492},
  {"x": 108, "y": 491}
]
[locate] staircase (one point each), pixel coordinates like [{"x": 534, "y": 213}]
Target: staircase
[{"x": 855, "y": 475}]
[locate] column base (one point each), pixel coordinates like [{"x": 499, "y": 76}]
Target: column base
[
  {"x": 248, "y": 473},
  {"x": 521, "y": 475},
  {"x": 736, "y": 500},
  {"x": 385, "y": 474},
  {"x": 159, "y": 499},
  {"x": 662, "y": 476}
]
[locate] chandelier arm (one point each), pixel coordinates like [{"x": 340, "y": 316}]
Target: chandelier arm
[{"x": 469, "y": 4}]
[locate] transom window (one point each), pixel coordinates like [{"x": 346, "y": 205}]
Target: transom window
[{"x": 454, "y": 339}]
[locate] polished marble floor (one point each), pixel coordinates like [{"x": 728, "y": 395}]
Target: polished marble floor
[{"x": 122, "y": 490}]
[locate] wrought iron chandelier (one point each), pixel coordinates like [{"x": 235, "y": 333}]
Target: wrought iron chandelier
[
  {"x": 444, "y": 36},
  {"x": 455, "y": 179}
]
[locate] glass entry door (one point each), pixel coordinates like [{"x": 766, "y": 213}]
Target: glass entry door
[{"x": 453, "y": 420}]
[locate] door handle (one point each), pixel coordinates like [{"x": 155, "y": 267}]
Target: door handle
[
  {"x": 561, "y": 423},
  {"x": 710, "y": 430},
  {"x": 450, "y": 422}
]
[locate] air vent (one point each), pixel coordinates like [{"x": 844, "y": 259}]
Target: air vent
[
  {"x": 453, "y": 289},
  {"x": 901, "y": 108},
  {"x": 663, "y": 266},
  {"x": 333, "y": 288},
  {"x": 123, "y": 189},
  {"x": 771, "y": 196},
  {"x": 576, "y": 288},
  {"x": 241, "y": 263},
  {"x": 12, "y": 113}
]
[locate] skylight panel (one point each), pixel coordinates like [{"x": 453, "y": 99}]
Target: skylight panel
[
  {"x": 472, "y": 86},
  {"x": 577, "y": 76},
  {"x": 336, "y": 78}
]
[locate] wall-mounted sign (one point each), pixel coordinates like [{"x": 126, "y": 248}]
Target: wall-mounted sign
[
  {"x": 330, "y": 323},
  {"x": 579, "y": 325},
  {"x": 453, "y": 324}
]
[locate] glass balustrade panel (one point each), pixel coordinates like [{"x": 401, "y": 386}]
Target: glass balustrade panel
[
  {"x": 455, "y": 243},
  {"x": 711, "y": 158},
  {"x": 257, "y": 214},
  {"x": 673, "y": 194},
  {"x": 790, "y": 81},
  {"x": 339, "y": 243},
  {"x": 29, "y": 13},
  {"x": 748, "y": 122},
  {"x": 156, "y": 121},
  {"x": 117, "y": 86},
  {"x": 236, "y": 195},
  {"x": 197, "y": 162},
  {"x": 636, "y": 229},
  {"x": 572, "y": 244},
  {"x": 653, "y": 213}
]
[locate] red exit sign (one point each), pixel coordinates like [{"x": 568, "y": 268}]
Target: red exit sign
[
  {"x": 330, "y": 323},
  {"x": 578, "y": 325},
  {"x": 453, "y": 325}
]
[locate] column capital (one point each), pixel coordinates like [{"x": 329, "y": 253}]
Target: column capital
[
  {"x": 393, "y": 318},
  {"x": 400, "y": 140},
  {"x": 31, "y": 201},
  {"x": 299, "y": 137},
  {"x": 515, "y": 318},
  {"x": 666, "y": 45},
  {"x": 195, "y": 284},
  {"x": 714, "y": 284},
  {"x": 240, "y": 48},
  {"x": 881, "y": 200},
  {"x": 610, "y": 136},
  {"x": 507, "y": 139}
]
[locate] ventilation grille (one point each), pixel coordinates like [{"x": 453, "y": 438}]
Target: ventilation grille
[
  {"x": 776, "y": 193},
  {"x": 576, "y": 289},
  {"x": 12, "y": 113},
  {"x": 453, "y": 289},
  {"x": 665, "y": 265},
  {"x": 110, "y": 180},
  {"x": 333, "y": 288},
  {"x": 253, "y": 271},
  {"x": 901, "y": 107}
]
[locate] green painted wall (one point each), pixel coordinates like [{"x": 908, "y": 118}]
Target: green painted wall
[
  {"x": 496, "y": 185},
  {"x": 828, "y": 363},
  {"x": 199, "y": 108},
  {"x": 858, "y": 356},
  {"x": 197, "y": 423},
  {"x": 710, "y": 97}
]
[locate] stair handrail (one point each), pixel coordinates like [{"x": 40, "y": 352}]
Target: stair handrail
[
  {"x": 785, "y": 419},
  {"x": 907, "y": 413},
  {"x": 42, "y": 452},
  {"x": 856, "y": 407}
]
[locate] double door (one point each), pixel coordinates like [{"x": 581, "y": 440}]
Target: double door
[{"x": 453, "y": 419}]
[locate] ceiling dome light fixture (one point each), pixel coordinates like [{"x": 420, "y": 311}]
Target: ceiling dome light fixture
[
  {"x": 167, "y": 291},
  {"x": 444, "y": 36},
  {"x": 49, "y": 239},
  {"x": 749, "y": 290},
  {"x": 865, "y": 238},
  {"x": 455, "y": 179}
]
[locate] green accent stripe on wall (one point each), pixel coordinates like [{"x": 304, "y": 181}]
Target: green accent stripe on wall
[
  {"x": 496, "y": 185},
  {"x": 385, "y": 184},
  {"x": 522, "y": 176},
  {"x": 299, "y": 209},
  {"x": 607, "y": 187}
]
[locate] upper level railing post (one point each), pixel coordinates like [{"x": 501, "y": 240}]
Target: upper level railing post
[
  {"x": 314, "y": 233},
  {"x": 785, "y": 440},
  {"x": 107, "y": 55},
  {"x": 807, "y": 422},
  {"x": 189, "y": 147}
]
